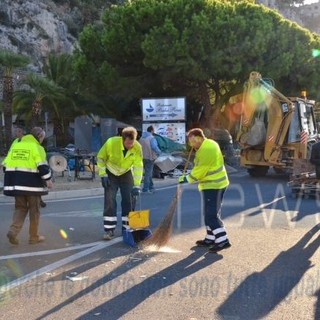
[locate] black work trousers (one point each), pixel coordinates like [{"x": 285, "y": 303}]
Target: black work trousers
[{"x": 124, "y": 183}]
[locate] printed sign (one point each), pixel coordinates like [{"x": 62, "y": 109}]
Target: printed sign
[
  {"x": 168, "y": 109},
  {"x": 173, "y": 131},
  {"x": 20, "y": 154}
]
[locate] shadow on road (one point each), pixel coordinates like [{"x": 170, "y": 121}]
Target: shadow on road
[
  {"x": 261, "y": 292},
  {"x": 133, "y": 296},
  {"x": 317, "y": 307}
]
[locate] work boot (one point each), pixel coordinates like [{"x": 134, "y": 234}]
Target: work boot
[
  {"x": 219, "y": 246},
  {"x": 204, "y": 243},
  {"x": 108, "y": 235},
  {"x": 147, "y": 192},
  {"x": 37, "y": 240},
  {"x": 12, "y": 238}
]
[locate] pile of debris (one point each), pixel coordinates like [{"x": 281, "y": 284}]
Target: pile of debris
[{"x": 303, "y": 181}]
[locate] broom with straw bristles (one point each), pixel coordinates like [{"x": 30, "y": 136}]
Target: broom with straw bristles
[{"x": 162, "y": 233}]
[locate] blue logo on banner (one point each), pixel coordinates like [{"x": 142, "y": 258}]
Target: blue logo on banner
[{"x": 150, "y": 109}]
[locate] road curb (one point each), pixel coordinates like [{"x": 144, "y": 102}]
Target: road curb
[
  {"x": 63, "y": 194},
  {"x": 67, "y": 194},
  {"x": 74, "y": 193}
]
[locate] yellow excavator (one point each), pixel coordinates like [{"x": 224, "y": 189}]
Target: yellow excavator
[{"x": 274, "y": 130}]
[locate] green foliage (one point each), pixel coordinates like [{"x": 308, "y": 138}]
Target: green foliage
[
  {"x": 55, "y": 93},
  {"x": 59, "y": 69},
  {"x": 10, "y": 61},
  {"x": 38, "y": 90},
  {"x": 203, "y": 49}
]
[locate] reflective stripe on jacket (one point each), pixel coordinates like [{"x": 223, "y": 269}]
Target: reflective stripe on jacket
[
  {"x": 26, "y": 168},
  {"x": 111, "y": 157},
  {"x": 209, "y": 169}
]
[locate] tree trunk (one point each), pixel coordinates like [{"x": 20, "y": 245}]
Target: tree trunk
[
  {"x": 7, "y": 111},
  {"x": 59, "y": 132},
  {"x": 207, "y": 122},
  {"x": 36, "y": 112}
]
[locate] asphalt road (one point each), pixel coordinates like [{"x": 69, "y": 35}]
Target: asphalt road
[{"x": 271, "y": 271}]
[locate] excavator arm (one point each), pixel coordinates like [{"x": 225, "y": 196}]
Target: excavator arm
[
  {"x": 280, "y": 115},
  {"x": 266, "y": 117},
  {"x": 248, "y": 108}
]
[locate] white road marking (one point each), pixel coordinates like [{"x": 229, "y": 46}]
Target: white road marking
[
  {"x": 56, "y": 265},
  {"x": 72, "y": 199},
  {"x": 47, "y": 252},
  {"x": 98, "y": 196},
  {"x": 95, "y": 246},
  {"x": 83, "y": 214},
  {"x": 78, "y": 214}
]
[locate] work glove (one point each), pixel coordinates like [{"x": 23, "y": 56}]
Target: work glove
[
  {"x": 135, "y": 191},
  {"x": 183, "y": 179},
  {"x": 105, "y": 181}
]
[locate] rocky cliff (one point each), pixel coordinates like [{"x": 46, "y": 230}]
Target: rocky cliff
[{"x": 34, "y": 28}]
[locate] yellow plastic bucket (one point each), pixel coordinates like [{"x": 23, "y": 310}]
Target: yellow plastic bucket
[{"x": 139, "y": 219}]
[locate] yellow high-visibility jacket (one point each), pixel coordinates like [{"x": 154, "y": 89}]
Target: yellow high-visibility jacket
[
  {"x": 26, "y": 168},
  {"x": 111, "y": 157},
  {"x": 13, "y": 142},
  {"x": 209, "y": 169}
]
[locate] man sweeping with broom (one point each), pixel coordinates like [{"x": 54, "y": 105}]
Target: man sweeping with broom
[
  {"x": 120, "y": 167},
  {"x": 209, "y": 171}
]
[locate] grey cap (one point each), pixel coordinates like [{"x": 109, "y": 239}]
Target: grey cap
[{"x": 37, "y": 132}]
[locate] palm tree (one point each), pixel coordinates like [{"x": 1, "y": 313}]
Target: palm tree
[
  {"x": 9, "y": 61},
  {"x": 57, "y": 94},
  {"x": 40, "y": 91},
  {"x": 58, "y": 68},
  {"x": 2, "y": 139}
]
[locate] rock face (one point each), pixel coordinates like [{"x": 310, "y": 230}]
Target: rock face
[{"x": 34, "y": 28}]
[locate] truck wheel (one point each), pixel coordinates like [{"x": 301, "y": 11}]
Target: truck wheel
[
  {"x": 284, "y": 171},
  {"x": 309, "y": 148},
  {"x": 258, "y": 171}
]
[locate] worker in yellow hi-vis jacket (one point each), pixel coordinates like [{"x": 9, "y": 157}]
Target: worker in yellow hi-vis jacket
[
  {"x": 211, "y": 175},
  {"x": 27, "y": 177},
  {"x": 120, "y": 167}
]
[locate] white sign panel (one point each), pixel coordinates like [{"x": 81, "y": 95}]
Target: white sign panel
[
  {"x": 173, "y": 131},
  {"x": 170, "y": 109}
]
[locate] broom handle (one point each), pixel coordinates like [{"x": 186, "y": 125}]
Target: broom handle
[
  {"x": 135, "y": 199},
  {"x": 187, "y": 162},
  {"x": 183, "y": 173}
]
